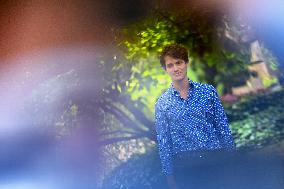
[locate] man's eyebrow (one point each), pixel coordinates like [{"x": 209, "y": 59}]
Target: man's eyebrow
[
  {"x": 177, "y": 61},
  {"x": 170, "y": 63},
  {"x": 173, "y": 62}
]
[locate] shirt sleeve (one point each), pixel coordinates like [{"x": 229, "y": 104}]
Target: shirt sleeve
[
  {"x": 221, "y": 123},
  {"x": 164, "y": 141}
]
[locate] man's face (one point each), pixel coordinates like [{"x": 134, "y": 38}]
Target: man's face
[{"x": 176, "y": 68}]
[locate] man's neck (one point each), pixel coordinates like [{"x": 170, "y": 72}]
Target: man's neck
[{"x": 181, "y": 86}]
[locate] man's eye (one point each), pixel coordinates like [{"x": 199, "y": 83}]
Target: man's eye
[
  {"x": 169, "y": 65},
  {"x": 178, "y": 62}
]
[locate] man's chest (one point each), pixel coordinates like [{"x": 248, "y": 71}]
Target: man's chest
[{"x": 198, "y": 110}]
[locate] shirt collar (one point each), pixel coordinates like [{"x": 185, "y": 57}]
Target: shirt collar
[{"x": 175, "y": 92}]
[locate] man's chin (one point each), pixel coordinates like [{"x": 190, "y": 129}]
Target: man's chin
[{"x": 177, "y": 79}]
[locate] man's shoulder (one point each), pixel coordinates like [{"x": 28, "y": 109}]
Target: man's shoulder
[
  {"x": 204, "y": 87},
  {"x": 163, "y": 99}
]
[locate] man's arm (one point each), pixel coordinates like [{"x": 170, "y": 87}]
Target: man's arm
[
  {"x": 165, "y": 146},
  {"x": 221, "y": 122},
  {"x": 164, "y": 140}
]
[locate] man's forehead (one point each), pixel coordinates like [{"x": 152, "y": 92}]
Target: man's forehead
[{"x": 172, "y": 60}]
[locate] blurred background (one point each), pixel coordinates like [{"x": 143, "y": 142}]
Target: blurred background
[{"x": 79, "y": 81}]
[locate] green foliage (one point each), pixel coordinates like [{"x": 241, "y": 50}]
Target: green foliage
[
  {"x": 257, "y": 120},
  {"x": 267, "y": 82},
  {"x": 255, "y": 130},
  {"x": 251, "y": 105},
  {"x": 147, "y": 79},
  {"x": 214, "y": 57},
  {"x": 151, "y": 38}
]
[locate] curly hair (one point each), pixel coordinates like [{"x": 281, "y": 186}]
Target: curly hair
[{"x": 173, "y": 50}]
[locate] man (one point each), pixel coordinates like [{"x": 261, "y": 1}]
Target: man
[{"x": 190, "y": 119}]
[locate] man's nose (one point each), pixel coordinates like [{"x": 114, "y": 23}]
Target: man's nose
[{"x": 175, "y": 67}]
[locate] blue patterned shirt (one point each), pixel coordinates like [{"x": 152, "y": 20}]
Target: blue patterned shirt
[{"x": 197, "y": 123}]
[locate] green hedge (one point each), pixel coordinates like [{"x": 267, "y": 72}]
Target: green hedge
[{"x": 258, "y": 120}]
